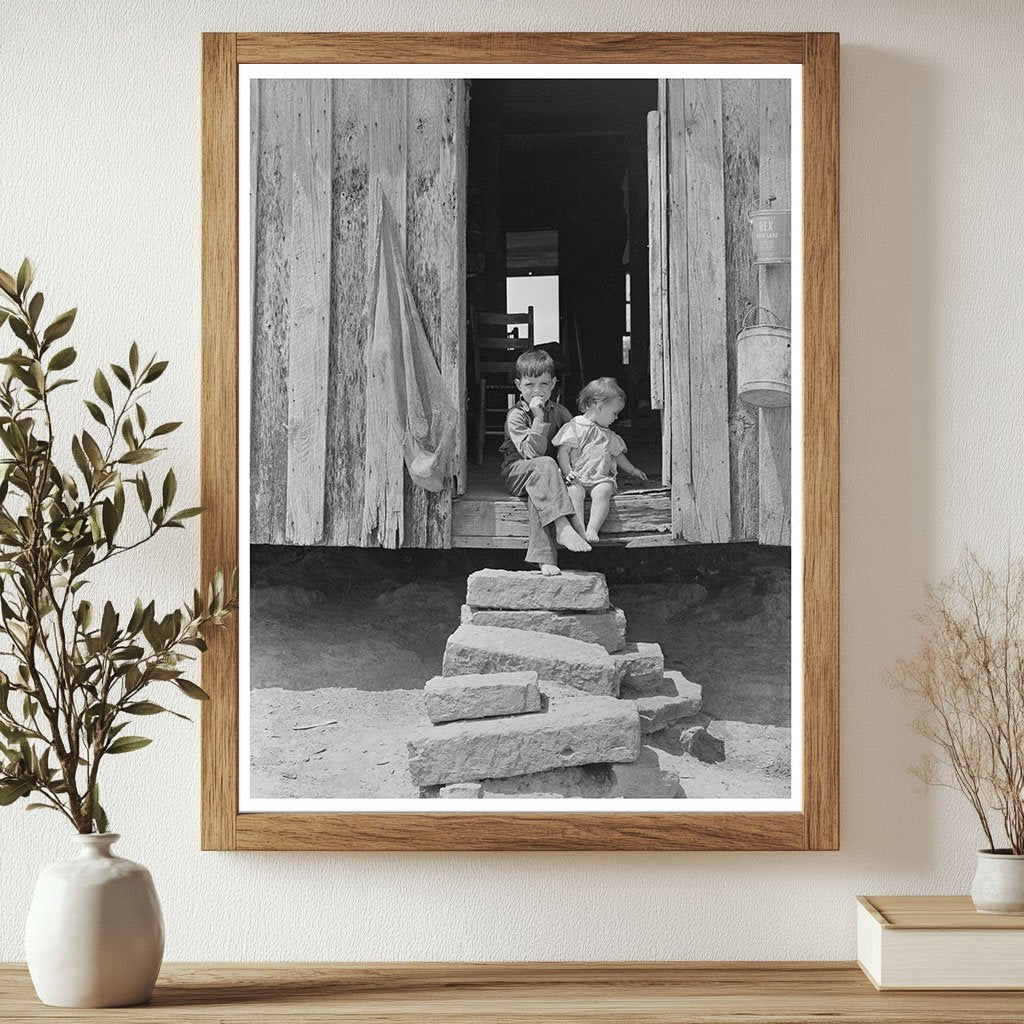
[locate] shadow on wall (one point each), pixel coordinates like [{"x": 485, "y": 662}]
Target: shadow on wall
[{"x": 887, "y": 324}]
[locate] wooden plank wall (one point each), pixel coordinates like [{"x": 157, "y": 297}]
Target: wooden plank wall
[
  {"x": 309, "y": 310},
  {"x": 720, "y": 148},
  {"x": 774, "y": 293},
  {"x": 308, "y": 423},
  {"x": 741, "y": 141},
  {"x": 701, "y": 505}
]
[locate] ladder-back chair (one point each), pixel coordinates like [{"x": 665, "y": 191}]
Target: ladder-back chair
[{"x": 497, "y": 339}]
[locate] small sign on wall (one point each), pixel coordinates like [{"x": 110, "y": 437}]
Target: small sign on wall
[{"x": 770, "y": 230}]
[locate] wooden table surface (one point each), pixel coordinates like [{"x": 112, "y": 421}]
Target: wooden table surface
[{"x": 664, "y": 993}]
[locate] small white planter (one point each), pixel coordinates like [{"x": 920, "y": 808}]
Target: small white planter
[
  {"x": 95, "y": 933},
  {"x": 999, "y": 883}
]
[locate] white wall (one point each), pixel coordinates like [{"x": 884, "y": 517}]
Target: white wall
[{"x": 100, "y": 183}]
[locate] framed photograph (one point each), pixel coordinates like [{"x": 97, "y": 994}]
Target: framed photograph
[{"x": 520, "y": 419}]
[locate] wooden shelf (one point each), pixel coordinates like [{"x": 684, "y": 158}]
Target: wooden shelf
[{"x": 659, "y": 993}]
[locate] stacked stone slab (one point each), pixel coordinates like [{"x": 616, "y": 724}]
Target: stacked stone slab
[{"x": 540, "y": 695}]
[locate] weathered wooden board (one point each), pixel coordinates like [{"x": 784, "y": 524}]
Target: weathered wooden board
[
  {"x": 774, "y": 520},
  {"x": 655, "y": 247},
  {"x": 705, "y": 218},
  {"x": 649, "y": 512},
  {"x": 664, "y": 127},
  {"x": 346, "y": 419},
  {"x": 384, "y": 467},
  {"x": 309, "y": 310},
  {"x": 455, "y": 174},
  {"x": 433, "y": 258},
  {"x": 268, "y": 425},
  {"x": 740, "y": 151}
]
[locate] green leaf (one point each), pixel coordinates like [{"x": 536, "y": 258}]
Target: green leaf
[
  {"x": 154, "y": 371},
  {"x": 138, "y": 455},
  {"x": 26, "y": 273},
  {"x": 41, "y": 807},
  {"x": 63, "y": 359},
  {"x": 145, "y": 498},
  {"x": 140, "y": 415},
  {"x": 108, "y": 627},
  {"x": 84, "y": 614},
  {"x": 79, "y": 456},
  {"x": 96, "y": 412},
  {"x": 102, "y": 388},
  {"x": 185, "y": 513},
  {"x": 191, "y": 690},
  {"x": 34, "y": 308},
  {"x": 170, "y": 488},
  {"x": 92, "y": 449},
  {"x": 133, "y": 358},
  {"x": 126, "y": 744},
  {"x": 147, "y": 707},
  {"x": 20, "y": 328},
  {"x": 128, "y": 433},
  {"x": 121, "y": 374},
  {"x": 99, "y": 816},
  {"x": 7, "y": 283},
  {"x": 165, "y": 428},
  {"x": 15, "y": 790},
  {"x": 109, "y": 521},
  {"x": 60, "y": 326}
]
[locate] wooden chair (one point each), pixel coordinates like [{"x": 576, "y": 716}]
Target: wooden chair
[{"x": 497, "y": 340}]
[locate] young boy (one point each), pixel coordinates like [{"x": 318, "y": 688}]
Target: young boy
[{"x": 527, "y": 466}]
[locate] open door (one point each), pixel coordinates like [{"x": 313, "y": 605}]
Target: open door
[{"x": 687, "y": 301}]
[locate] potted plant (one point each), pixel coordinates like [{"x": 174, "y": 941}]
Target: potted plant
[
  {"x": 81, "y": 671},
  {"x": 967, "y": 679}
]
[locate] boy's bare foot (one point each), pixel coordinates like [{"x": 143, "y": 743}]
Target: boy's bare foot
[
  {"x": 593, "y": 536},
  {"x": 550, "y": 570},
  {"x": 570, "y": 539}
]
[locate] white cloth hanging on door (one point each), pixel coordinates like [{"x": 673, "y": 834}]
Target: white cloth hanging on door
[{"x": 410, "y": 417}]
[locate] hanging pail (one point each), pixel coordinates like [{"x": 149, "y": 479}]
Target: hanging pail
[
  {"x": 763, "y": 357},
  {"x": 770, "y": 236}
]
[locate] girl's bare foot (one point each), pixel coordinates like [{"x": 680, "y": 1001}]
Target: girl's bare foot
[
  {"x": 593, "y": 536},
  {"x": 570, "y": 539},
  {"x": 550, "y": 570}
]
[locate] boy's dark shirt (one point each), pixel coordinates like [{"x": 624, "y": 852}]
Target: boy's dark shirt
[{"x": 522, "y": 441}]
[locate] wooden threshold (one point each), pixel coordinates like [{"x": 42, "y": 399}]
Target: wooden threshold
[{"x": 639, "y": 518}]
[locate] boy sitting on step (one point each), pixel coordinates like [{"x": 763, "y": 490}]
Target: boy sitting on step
[{"x": 528, "y": 469}]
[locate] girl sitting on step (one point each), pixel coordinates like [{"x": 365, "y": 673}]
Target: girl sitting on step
[{"x": 590, "y": 454}]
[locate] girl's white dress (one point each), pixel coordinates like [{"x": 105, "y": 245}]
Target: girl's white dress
[{"x": 592, "y": 450}]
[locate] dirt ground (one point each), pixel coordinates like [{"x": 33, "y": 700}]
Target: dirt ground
[{"x": 339, "y": 662}]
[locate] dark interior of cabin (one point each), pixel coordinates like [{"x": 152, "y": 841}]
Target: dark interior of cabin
[{"x": 557, "y": 220}]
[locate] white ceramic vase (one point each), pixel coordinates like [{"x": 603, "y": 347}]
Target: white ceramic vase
[
  {"x": 999, "y": 883},
  {"x": 95, "y": 933}
]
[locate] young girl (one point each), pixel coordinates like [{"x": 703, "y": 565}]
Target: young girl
[{"x": 590, "y": 454}]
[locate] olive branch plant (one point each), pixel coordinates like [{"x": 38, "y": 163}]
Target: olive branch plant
[
  {"x": 967, "y": 681},
  {"x": 80, "y": 674}
]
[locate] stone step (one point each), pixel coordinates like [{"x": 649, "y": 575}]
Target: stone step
[
  {"x": 523, "y": 591},
  {"x": 640, "y": 666},
  {"x": 486, "y": 649},
  {"x": 607, "y": 628},
  {"x": 682, "y": 700},
  {"x": 451, "y": 698},
  {"x": 574, "y": 731},
  {"x": 649, "y": 777}
]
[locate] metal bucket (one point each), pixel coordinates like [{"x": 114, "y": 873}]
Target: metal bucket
[
  {"x": 770, "y": 236},
  {"x": 763, "y": 360}
]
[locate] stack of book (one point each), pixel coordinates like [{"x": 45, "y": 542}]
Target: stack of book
[{"x": 938, "y": 942}]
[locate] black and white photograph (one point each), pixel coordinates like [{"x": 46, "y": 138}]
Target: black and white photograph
[{"x": 517, "y": 468}]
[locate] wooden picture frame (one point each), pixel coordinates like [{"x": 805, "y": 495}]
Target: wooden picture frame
[{"x": 816, "y": 826}]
